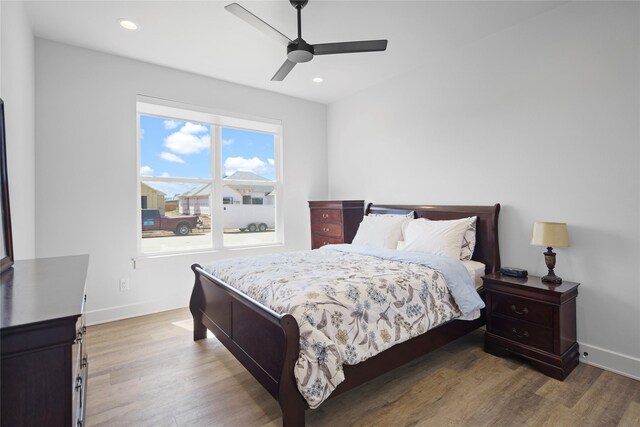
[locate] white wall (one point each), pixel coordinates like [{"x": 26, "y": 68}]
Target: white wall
[
  {"x": 86, "y": 140},
  {"x": 543, "y": 118},
  {"x": 17, "y": 92}
]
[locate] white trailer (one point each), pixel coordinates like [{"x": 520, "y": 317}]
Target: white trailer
[{"x": 249, "y": 217}]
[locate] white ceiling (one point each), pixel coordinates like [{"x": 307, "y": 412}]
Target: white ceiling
[{"x": 201, "y": 37}]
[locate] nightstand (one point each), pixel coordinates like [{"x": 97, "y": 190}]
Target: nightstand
[
  {"x": 532, "y": 319},
  {"x": 334, "y": 221}
]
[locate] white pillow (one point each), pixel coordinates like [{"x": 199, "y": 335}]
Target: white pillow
[
  {"x": 435, "y": 237},
  {"x": 381, "y": 231}
]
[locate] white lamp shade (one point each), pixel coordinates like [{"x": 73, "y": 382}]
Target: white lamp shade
[{"x": 553, "y": 234}]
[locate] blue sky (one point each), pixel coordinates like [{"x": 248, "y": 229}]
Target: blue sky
[{"x": 182, "y": 149}]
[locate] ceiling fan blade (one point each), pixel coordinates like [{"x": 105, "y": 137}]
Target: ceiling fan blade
[
  {"x": 349, "y": 47},
  {"x": 257, "y": 23},
  {"x": 283, "y": 71}
]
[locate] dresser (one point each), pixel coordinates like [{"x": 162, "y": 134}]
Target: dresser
[
  {"x": 335, "y": 221},
  {"x": 532, "y": 319},
  {"x": 44, "y": 362}
]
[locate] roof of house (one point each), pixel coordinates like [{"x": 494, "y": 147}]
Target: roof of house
[
  {"x": 246, "y": 176},
  {"x": 151, "y": 188},
  {"x": 205, "y": 190},
  {"x": 249, "y": 176}
]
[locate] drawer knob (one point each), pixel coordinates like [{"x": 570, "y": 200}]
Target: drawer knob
[
  {"x": 524, "y": 334},
  {"x": 524, "y": 310},
  {"x": 325, "y": 215},
  {"x": 326, "y": 230}
]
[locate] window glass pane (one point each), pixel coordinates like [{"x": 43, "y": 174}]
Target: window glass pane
[
  {"x": 247, "y": 155},
  {"x": 177, "y": 217},
  {"x": 174, "y": 148},
  {"x": 248, "y": 223}
]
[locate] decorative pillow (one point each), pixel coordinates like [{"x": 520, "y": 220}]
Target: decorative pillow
[
  {"x": 469, "y": 240},
  {"x": 410, "y": 215},
  {"x": 380, "y": 231},
  {"x": 435, "y": 237}
]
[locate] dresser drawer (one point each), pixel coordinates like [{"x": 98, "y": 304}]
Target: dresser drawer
[
  {"x": 79, "y": 365},
  {"x": 523, "y": 332},
  {"x": 522, "y": 309},
  {"x": 318, "y": 241},
  {"x": 326, "y": 215},
  {"x": 327, "y": 229},
  {"x": 79, "y": 396}
]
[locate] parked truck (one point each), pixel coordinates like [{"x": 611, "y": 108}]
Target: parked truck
[{"x": 180, "y": 225}]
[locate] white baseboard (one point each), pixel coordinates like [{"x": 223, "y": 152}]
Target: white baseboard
[
  {"x": 610, "y": 360},
  {"x": 113, "y": 314}
]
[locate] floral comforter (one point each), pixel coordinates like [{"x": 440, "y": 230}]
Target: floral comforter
[{"x": 350, "y": 304}]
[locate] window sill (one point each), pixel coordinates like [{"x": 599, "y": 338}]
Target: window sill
[{"x": 192, "y": 254}]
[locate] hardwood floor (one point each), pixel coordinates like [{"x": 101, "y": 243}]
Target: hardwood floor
[{"x": 147, "y": 371}]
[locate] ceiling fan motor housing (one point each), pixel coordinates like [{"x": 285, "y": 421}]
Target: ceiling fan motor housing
[
  {"x": 299, "y": 51},
  {"x": 298, "y": 3}
]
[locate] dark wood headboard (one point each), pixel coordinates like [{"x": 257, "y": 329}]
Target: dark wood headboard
[{"x": 487, "y": 250}]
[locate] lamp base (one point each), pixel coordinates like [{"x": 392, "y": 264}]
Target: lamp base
[
  {"x": 552, "y": 278},
  {"x": 550, "y": 260}
]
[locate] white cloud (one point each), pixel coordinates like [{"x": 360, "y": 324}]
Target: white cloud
[
  {"x": 165, "y": 174},
  {"x": 228, "y": 141},
  {"x": 192, "y": 128},
  {"x": 171, "y": 124},
  {"x": 146, "y": 171},
  {"x": 171, "y": 157},
  {"x": 184, "y": 143},
  {"x": 141, "y": 133},
  {"x": 271, "y": 162},
  {"x": 234, "y": 164}
]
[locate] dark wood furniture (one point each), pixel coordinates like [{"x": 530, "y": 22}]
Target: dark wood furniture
[
  {"x": 44, "y": 363},
  {"x": 267, "y": 343},
  {"x": 533, "y": 319},
  {"x": 334, "y": 221}
]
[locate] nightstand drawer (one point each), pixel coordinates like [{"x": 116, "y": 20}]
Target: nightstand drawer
[
  {"x": 327, "y": 229},
  {"x": 523, "y": 332},
  {"x": 522, "y": 309},
  {"x": 318, "y": 241},
  {"x": 326, "y": 215}
]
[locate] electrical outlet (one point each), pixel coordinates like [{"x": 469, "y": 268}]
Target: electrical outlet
[{"x": 124, "y": 285}]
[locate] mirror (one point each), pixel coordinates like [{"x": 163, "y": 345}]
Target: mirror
[{"x": 6, "y": 242}]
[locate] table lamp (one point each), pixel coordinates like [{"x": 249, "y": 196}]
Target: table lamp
[{"x": 550, "y": 234}]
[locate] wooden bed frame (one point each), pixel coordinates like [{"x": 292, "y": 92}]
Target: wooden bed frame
[{"x": 267, "y": 343}]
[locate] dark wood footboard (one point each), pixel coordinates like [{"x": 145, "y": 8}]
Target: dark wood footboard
[{"x": 265, "y": 342}]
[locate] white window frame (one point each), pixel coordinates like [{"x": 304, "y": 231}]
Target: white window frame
[{"x": 148, "y": 106}]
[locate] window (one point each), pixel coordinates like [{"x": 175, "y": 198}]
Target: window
[{"x": 206, "y": 181}]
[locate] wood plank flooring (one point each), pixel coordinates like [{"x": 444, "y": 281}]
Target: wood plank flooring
[{"x": 147, "y": 371}]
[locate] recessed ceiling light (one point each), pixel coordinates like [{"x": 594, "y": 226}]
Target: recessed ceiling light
[
  {"x": 129, "y": 25},
  {"x": 318, "y": 79}
]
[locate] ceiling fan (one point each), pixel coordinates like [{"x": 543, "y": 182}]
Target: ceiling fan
[{"x": 298, "y": 50}]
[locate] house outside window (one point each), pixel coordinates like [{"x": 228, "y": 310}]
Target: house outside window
[{"x": 215, "y": 176}]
